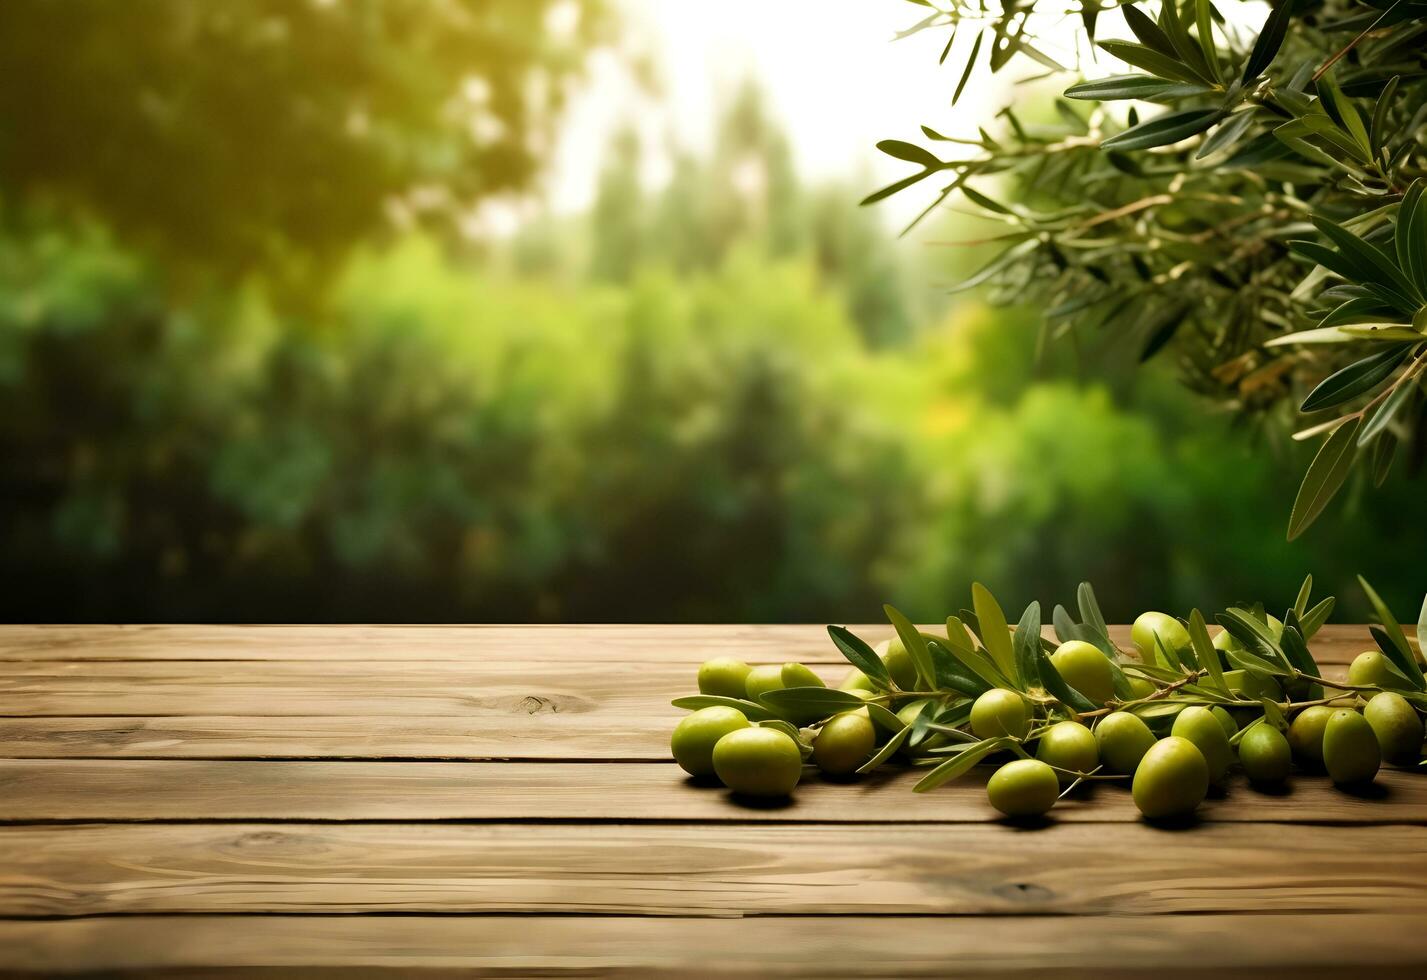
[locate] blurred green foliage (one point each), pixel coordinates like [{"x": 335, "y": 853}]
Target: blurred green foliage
[{"x": 720, "y": 402}]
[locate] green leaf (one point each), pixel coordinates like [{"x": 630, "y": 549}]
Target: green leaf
[
  {"x": 1254, "y": 634},
  {"x": 1385, "y": 102},
  {"x": 1204, "y": 20},
  {"x": 883, "y": 718},
  {"x": 860, "y": 655},
  {"x": 1343, "y": 112},
  {"x": 1317, "y": 616},
  {"x": 752, "y": 711},
  {"x": 971, "y": 658},
  {"x": 1152, "y": 61},
  {"x": 916, "y": 645},
  {"x": 1002, "y": 261},
  {"x": 1065, "y": 627},
  {"x": 1090, "y": 609},
  {"x": 995, "y": 632},
  {"x": 960, "y": 764},
  {"x": 1149, "y": 33},
  {"x": 894, "y": 187},
  {"x": 1204, "y": 651},
  {"x": 1305, "y": 592},
  {"x": 1325, "y": 477},
  {"x": 1376, "y": 265},
  {"x": 888, "y": 749},
  {"x": 1027, "y": 644},
  {"x": 1355, "y": 379},
  {"x": 1422, "y": 626},
  {"x": 1392, "y": 629},
  {"x": 1228, "y": 134},
  {"x": 910, "y": 152},
  {"x": 1166, "y": 653},
  {"x": 1295, "y": 645},
  {"x": 1270, "y": 39},
  {"x": 1410, "y": 235},
  {"x": 951, "y": 673},
  {"x": 1143, "y": 88},
  {"x": 815, "y": 702},
  {"x": 970, "y": 64},
  {"x": 1163, "y": 130}
]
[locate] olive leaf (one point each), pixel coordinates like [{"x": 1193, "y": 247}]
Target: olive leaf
[
  {"x": 1295, "y": 647},
  {"x": 964, "y": 650},
  {"x": 1026, "y": 644},
  {"x": 1204, "y": 651},
  {"x": 1356, "y": 379},
  {"x": 916, "y": 645},
  {"x": 1396, "y": 647},
  {"x": 888, "y": 749},
  {"x": 961, "y": 763},
  {"x": 1317, "y": 616},
  {"x": 995, "y": 632},
  {"x": 815, "y": 702},
  {"x": 1325, "y": 476},
  {"x": 1268, "y": 42},
  {"x": 860, "y": 655},
  {"x": 951, "y": 673},
  {"x": 1305, "y": 592},
  {"x": 754, "y": 712},
  {"x": 883, "y": 718}
]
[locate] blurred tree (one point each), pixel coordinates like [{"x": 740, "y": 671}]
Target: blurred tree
[{"x": 246, "y": 134}]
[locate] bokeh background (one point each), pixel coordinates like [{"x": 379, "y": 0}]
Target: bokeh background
[{"x": 515, "y": 310}]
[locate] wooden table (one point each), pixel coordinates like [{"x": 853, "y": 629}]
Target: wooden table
[{"x": 499, "y": 800}]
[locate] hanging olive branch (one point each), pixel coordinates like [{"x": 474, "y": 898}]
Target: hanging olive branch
[{"x": 1265, "y": 227}]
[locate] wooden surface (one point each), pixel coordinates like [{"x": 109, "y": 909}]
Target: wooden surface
[{"x": 435, "y": 801}]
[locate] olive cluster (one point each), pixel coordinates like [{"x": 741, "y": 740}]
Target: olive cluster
[{"x": 1173, "y": 721}]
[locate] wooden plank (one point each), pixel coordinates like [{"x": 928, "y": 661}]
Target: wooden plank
[
  {"x": 520, "y": 644},
  {"x": 526, "y": 731},
  {"x": 688, "y": 644},
  {"x": 480, "y": 693},
  {"x": 804, "y": 869},
  {"x": 123, "y": 790},
  {"x": 1316, "y": 945}
]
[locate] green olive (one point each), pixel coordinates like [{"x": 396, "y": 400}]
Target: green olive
[
  {"x": 1123, "y": 739},
  {"x": 1170, "y": 630},
  {"x": 1397, "y": 726},
  {"x": 1140, "y": 687},
  {"x": 1172, "y": 778},
  {"x": 845, "y": 742},
  {"x": 899, "y": 663},
  {"x": 1069, "y": 745},
  {"x": 1372, "y": 668},
  {"x": 696, "y": 735},
  {"x": 1086, "y": 669},
  {"x": 1000, "y": 712},
  {"x": 856, "y": 680},
  {"x": 1199, "y": 726},
  {"x": 1250, "y": 685},
  {"x": 758, "y": 761},
  {"x": 763, "y": 679},
  {"x": 1265, "y": 754},
  {"x": 796, "y": 675},
  {"x": 1305, "y": 734},
  {"x": 724, "y": 677},
  {"x": 1350, "y": 750},
  {"x": 1231, "y": 727},
  {"x": 1023, "y": 788}
]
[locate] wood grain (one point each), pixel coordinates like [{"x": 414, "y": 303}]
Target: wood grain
[
  {"x": 680, "y": 644},
  {"x": 1248, "y": 946},
  {"x": 759, "y": 869},
  {"x": 121, "y": 790}
]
